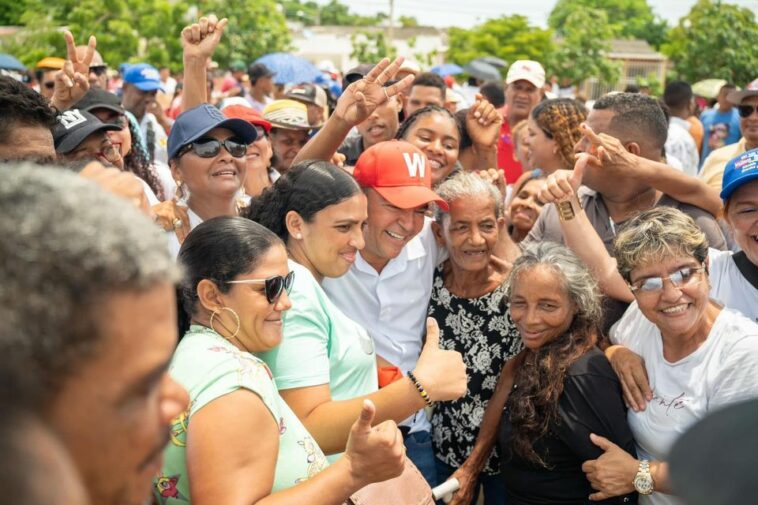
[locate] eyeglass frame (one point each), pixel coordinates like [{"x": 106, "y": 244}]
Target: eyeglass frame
[
  {"x": 753, "y": 109},
  {"x": 638, "y": 289},
  {"x": 221, "y": 143},
  {"x": 286, "y": 285}
]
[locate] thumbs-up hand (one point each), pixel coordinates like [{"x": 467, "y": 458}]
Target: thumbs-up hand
[
  {"x": 442, "y": 373},
  {"x": 374, "y": 453},
  {"x": 612, "y": 474},
  {"x": 562, "y": 185}
]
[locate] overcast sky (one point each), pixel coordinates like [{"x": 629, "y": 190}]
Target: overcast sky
[{"x": 467, "y": 13}]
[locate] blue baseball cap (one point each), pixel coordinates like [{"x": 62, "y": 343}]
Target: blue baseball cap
[
  {"x": 143, "y": 76},
  {"x": 739, "y": 170},
  {"x": 194, "y": 123}
]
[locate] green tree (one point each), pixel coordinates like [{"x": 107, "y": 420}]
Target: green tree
[
  {"x": 509, "y": 37},
  {"x": 715, "y": 40},
  {"x": 407, "y": 21},
  {"x": 333, "y": 13},
  {"x": 581, "y": 53},
  {"x": 370, "y": 46},
  {"x": 629, "y": 19}
]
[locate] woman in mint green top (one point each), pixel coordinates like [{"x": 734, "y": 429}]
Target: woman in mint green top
[
  {"x": 239, "y": 442},
  {"x": 326, "y": 364}
]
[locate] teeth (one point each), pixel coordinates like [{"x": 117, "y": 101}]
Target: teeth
[
  {"x": 436, "y": 165},
  {"x": 674, "y": 310},
  {"x": 394, "y": 235}
]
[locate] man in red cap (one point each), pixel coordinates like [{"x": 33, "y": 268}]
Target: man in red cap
[{"x": 388, "y": 287}]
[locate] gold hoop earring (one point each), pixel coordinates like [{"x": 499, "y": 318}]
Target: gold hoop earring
[{"x": 236, "y": 317}]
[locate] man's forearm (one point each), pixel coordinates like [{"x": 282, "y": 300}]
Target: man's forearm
[{"x": 679, "y": 185}]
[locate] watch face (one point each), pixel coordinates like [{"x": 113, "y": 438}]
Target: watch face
[{"x": 643, "y": 483}]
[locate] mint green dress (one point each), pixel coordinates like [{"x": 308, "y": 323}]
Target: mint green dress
[{"x": 209, "y": 367}]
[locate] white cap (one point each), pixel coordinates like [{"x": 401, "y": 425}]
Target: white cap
[
  {"x": 410, "y": 66},
  {"x": 327, "y": 66},
  {"x": 527, "y": 70}
]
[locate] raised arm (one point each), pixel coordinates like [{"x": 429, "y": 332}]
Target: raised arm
[
  {"x": 199, "y": 41},
  {"x": 483, "y": 126},
  {"x": 612, "y": 156},
  {"x": 71, "y": 82},
  {"x": 354, "y": 106}
]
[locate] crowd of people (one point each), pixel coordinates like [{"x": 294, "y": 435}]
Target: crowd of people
[{"x": 233, "y": 291}]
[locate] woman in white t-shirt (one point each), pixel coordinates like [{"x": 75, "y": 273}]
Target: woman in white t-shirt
[{"x": 698, "y": 355}]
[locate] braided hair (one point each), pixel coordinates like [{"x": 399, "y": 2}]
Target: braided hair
[
  {"x": 136, "y": 161},
  {"x": 559, "y": 119},
  {"x": 426, "y": 111}
]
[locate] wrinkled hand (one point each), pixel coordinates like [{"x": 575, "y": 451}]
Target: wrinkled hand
[
  {"x": 467, "y": 479},
  {"x": 442, "y": 373},
  {"x": 123, "y": 184},
  {"x": 632, "y": 374},
  {"x": 494, "y": 176},
  {"x": 72, "y": 81},
  {"x": 483, "y": 123},
  {"x": 362, "y": 97},
  {"x": 199, "y": 40},
  {"x": 612, "y": 474},
  {"x": 172, "y": 217},
  {"x": 608, "y": 153},
  {"x": 377, "y": 453}
]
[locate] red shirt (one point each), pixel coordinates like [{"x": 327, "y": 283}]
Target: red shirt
[{"x": 506, "y": 161}]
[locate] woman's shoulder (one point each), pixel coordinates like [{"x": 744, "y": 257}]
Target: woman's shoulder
[{"x": 592, "y": 363}]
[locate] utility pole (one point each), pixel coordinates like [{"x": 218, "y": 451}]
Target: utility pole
[{"x": 391, "y": 30}]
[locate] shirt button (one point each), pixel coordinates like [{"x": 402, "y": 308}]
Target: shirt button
[{"x": 626, "y": 499}]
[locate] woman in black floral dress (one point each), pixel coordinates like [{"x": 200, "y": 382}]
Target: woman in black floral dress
[{"x": 466, "y": 302}]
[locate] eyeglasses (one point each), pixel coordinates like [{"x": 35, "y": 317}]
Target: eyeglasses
[
  {"x": 680, "y": 278},
  {"x": 273, "y": 286},
  {"x": 259, "y": 131},
  {"x": 747, "y": 110},
  {"x": 99, "y": 70},
  {"x": 209, "y": 148}
]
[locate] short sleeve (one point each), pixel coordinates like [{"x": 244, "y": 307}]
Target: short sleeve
[
  {"x": 738, "y": 378},
  {"x": 302, "y": 358}
]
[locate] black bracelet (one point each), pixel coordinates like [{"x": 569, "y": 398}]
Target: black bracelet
[{"x": 421, "y": 389}]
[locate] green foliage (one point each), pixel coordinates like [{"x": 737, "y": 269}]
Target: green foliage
[
  {"x": 581, "y": 53},
  {"x": 370, "y": 46},
  {"x": 632, "y": 19},
  {"x": 407, "y": 21},
  {"x": 715, "y": 40},
  {"x": 146, "y": 30},
  {"x": 333, "y": 13},
  {"x": 509, "y": 37}
]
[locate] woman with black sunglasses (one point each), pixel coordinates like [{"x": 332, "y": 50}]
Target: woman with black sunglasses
[
  {"x": 238, "y": 442},
  {"x": 326, "y": 365},
  {"x": 207, "y": 158}
]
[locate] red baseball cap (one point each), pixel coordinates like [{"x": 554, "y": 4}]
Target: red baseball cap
[
  {"x": 398, "y": 171},
  {"x": 248, "y": 114}
]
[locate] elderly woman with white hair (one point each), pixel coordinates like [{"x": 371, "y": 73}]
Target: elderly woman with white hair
[{"x": 466, "y": 296}]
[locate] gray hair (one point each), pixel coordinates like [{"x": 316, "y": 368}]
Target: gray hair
[
  {"x": 575, "y": 279},
  {"x": 67, "y": 245},
  {"x": 467, "y": 185}
]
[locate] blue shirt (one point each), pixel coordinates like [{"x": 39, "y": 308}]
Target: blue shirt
[{"x": 719, "y": 129}]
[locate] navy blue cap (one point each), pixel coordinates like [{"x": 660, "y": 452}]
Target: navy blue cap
[
  {"x": 194, "y": 123},
  {"x": 739, "y": 170}
]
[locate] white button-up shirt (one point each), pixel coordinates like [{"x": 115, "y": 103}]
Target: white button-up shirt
[{"x": 392, "y": 305}]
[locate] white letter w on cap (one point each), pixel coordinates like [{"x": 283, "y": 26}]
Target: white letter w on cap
[
  {"x": 71, "y": 118},
  {"x": 415, "y": 164}
]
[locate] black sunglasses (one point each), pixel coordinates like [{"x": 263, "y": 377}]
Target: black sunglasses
[
  {"x": 746, "y": 110},
  {"x": 209, "y": 148},
  {"x": 99, "y": 70},
  {"x": 273, "y": 286},
  {"x": 50, "y": 84}
]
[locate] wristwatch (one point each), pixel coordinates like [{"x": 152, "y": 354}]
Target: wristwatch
[{"x": 643, "y": 481}]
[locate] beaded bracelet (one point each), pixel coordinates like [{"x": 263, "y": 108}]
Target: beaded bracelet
[{"x": 421, "y": 389}]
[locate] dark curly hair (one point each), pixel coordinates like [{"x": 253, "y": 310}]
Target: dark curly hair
[
  {"x": 137, "y": 162},
  {"x": 560, "y": 118},
  {"x": 307, "y": 188},
  {"x": 533, "y": 404},
  {"x": 22, "y": 106},
  {"x": 429, "y": 109}
]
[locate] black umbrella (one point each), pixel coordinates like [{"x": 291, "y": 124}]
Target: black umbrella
[
  {"x": 483, "y": 71},
  {"x": 494, "y": 61}
]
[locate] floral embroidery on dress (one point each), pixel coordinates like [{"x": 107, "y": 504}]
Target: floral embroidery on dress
[{"x": 316, "y": 459}]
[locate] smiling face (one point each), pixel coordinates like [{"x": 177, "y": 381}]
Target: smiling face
[
  {"x": 286, "y": 144},
  {"x": 331, "y": 240},
  {"x": 742, "y": 216},
  {"x": 540, "y": 306},
  {"x": 113, "y": 414},
  {"x": 526, "y": 206},
  {"x": 217, "y": 177},
  {"x": 436, "y": 134},
  {"x": 121, "y": 139},
  {"x": 259, "y": 153},
  {"x": 388, "y": 229},
  {"x": 749, "y": 125},
  {"x": 674, "y": 310},
  {"x": 470, "y": 231},
  {"x": 381, "y": 125},
  {"x": 543, "y": 151},
  {"x": 521, "y": 97},
  {"x": 260, "y": 321}
]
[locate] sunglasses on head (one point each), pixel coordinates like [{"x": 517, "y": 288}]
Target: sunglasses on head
[
  {"x": 209, "y": 148},
  {"x": 99, "y": 70},
  {"x": 273, "y": 286},
  {"x": 747, "y": 110}
]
